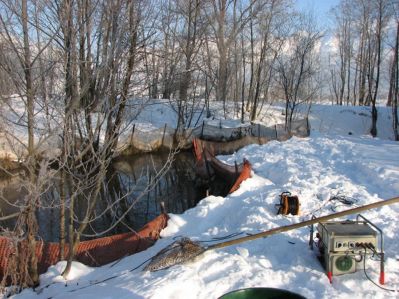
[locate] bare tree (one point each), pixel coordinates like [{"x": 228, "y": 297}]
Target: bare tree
[
  {"x": 225, "y": 35},
  {"x": 394, "y": 87},
  {"x": 394, "y": 78},
  {"x": 101, "y": 85},
  {"x": 99, "y": 44},
  {"x": 270, "y": 22},
  {"x": 194, "y": 27},
  {"x": 361, "y": 14},
  {"x": 169, "y": 50},
  {"x": 19, "y": 24},
  {"x": 297, "y": 67},
  {"x": 381, "y": 19},
  {"x": 343, "y": 33}
]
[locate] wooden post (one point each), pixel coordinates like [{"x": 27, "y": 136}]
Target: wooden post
[
  {"x": 163, "y": 136},
  {"x": 131, "y": 136}
]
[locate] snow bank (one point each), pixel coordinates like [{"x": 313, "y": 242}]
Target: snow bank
[
  {"x": 314, "y": 168},
  {"x": 153, "y": 123},
  {"x": 14, "y": 130},
  {"x": 348, "y": 120},
  {"x": 338, "y": 158}
]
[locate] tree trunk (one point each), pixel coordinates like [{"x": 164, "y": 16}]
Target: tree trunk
[
  {"x": 62, "y": 216},
  {"x": 222, "y": 79},
  {"x": 113, "y": 130},
  {"x": 394, "y": 86},
  {"x": 362, "y": 71},
  {"x": 73, "y": 241},
  {"x": 31, "y": 218},
  {"x": 243, "y": 80},
  {"x": 221, "y": 87},
  {"x": 261, "y": 63},
  {"x": 374, "y": 112},
  {"x": 191, "y": 40},
  {"x": 32, "y": 231},
  {"x": 251, "y": 80},
  {"x": 28, "y": 79},
  {"x": 394, "y": 69},
  {"x": 74, "y": 235}
]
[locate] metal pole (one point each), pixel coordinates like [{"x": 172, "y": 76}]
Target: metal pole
[{"x": 281, "y": 229}]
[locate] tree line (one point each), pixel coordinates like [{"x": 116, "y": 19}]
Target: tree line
[{"x": 366, "y": 36}]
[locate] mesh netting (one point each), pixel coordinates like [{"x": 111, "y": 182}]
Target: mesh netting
[
  {"x": 152, "y": 140},
  {"x": 178, "y": 252},
  {"x": 145, "y": 140},
  {"x": 216, "y": 131},
  {"x": 299, "y": 128}
]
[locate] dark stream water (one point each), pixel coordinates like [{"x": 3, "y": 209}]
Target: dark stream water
[{"x": 129, "y": 176}]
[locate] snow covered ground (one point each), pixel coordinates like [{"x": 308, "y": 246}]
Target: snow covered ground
[
  {"x": 336, "y": 159},
  {"x": 14, "y": 130}
]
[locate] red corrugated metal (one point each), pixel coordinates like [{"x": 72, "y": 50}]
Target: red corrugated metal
[{"x": 95, "y": 252}]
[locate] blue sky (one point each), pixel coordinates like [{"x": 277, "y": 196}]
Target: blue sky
[{"x": 319, "y": 7}]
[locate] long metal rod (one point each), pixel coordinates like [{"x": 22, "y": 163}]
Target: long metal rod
[{"x": 281, "y": 229}]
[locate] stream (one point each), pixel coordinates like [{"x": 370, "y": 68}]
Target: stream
[{"x": 179, "y": 189}]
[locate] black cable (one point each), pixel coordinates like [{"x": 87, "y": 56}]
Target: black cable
[
  {"x": 39, "y": 290},
  {"x": 375, "y": 253},
  {"x": 232, "y": 235},
  {"x": 365, "y": 273},
  {"x": 111, "y": 277},
  {"x": 96, "y": 282},
  {"x": 344, "y": 200}
]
